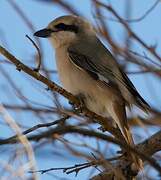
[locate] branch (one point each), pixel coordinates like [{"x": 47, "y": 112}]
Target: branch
[
  {"x": 71, "y": 129},
  {"x": 149, "y": 147},
  {"x": 145, "y": 14},
  {"x": 131, "y": 33},
  {"x": 38, "y": 53},
  {"x": 14, "y": 139},
  {"x": 54, "y": 87},
  {"x": 152, "y": 121},
  {"x": 77, "y": 167}
]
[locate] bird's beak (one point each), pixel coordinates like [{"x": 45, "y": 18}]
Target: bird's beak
[{"x": 44, "y": 33}]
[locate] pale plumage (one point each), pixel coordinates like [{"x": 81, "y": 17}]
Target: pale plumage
[{"x": 87, "y": 68}]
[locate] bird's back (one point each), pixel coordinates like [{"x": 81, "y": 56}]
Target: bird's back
[{"x": 106, "y": 65}]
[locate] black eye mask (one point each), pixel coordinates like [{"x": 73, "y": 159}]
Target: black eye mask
[
  {"x": 65, "y": 27},
  {"x": 44, "y": 33}
]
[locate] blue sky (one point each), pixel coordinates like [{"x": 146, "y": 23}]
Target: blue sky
[
  {"x": 13, "y": 30},
  {"x": 41, "y": 14}
]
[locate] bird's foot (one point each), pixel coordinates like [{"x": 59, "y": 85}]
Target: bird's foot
[
  {"x": 81, "y": 106},
  {"x": 101, "y": 128}
]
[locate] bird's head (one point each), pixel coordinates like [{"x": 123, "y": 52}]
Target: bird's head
[{"x": 65, "y": 30}]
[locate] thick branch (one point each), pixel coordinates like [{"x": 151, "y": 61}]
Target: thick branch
[
  {"x": 148, "y": 147},
  {"x": 151, "y": 145},
  {"x": 54, "y": 87},
  {"x": 71, "y": 129}
]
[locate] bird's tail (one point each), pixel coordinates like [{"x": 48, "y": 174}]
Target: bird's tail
[
  {"x": 129, "y": 139},
  {"x": 118, "y": 114}
]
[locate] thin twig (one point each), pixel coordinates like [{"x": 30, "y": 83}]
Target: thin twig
[
  {"x": 131, "y": 33},
  {"x": 145, "y": 14},
  {"x": 38, "y": 52},
  {"x": 134, "y": 20},
  {"x": 22, "y": 15},
  {"x": 144, "y": 71},
  {"x": 38, "y": 126},
  {"x": 144, "y": 57}
]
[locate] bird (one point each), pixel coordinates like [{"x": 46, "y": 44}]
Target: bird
[{"x": 88, "y": 70}]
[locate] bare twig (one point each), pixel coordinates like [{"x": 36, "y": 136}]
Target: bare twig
[
  {"x": 22, "y": 15},
  {"x": 38, "y": 126},
  {"x": 144, "y": 72},
  {"x": 86, "y": 132},
  {"x": 77, "y": 167},
  {"x": 131, "y": 33},
  {"x": 38, "y": 52},
  {"x": 145, "y": 14}
]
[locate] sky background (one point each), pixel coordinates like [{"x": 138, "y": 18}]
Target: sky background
[{"x": 12, "y": 36}]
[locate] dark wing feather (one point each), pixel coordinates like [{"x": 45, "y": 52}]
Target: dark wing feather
[
  {"x": 82, "y": 61},
  {"x": 97, "y": 68},
  {"x": 141, "y": 102},
  {"x": 85, "y": 63}
]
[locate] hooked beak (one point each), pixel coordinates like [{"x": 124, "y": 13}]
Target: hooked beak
[{"x": 44, "y": 33}]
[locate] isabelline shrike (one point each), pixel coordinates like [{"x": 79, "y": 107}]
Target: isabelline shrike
[{"x": 87, "y": 69}]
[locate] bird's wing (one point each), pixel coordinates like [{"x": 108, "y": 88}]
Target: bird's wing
[
  {"x": 100, "y": 64},
  {"x": 86, "y": 63},
  {"x": 129, "y": 85},
  {"x": 83, "y": 62}
]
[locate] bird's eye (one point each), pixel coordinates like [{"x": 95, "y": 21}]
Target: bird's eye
[
  {"x": 61, "y": 26},
  {"x": 66, "y": 27}
]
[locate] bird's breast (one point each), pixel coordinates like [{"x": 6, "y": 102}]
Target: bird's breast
[{"x": 72, "y": 77}]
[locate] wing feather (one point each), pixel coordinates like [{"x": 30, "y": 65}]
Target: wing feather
[{"x": 106, "y": 67}]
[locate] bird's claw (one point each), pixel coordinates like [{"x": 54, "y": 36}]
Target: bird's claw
[{"x": 78, "y": 108}]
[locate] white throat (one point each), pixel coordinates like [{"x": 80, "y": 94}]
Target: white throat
[{"x": 62, "y": 38}]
